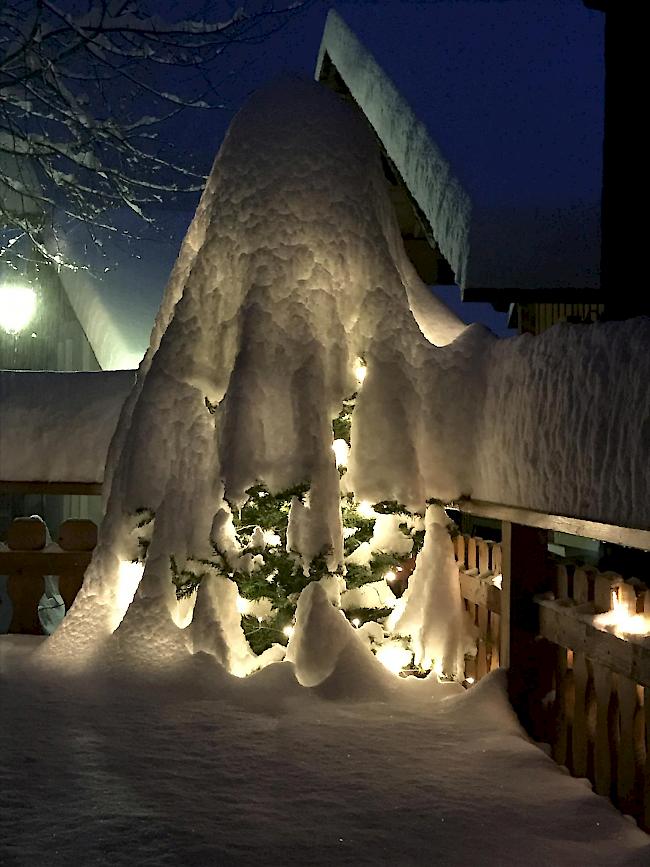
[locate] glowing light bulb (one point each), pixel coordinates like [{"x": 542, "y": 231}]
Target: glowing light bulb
[
  {"x": 390, "y": 576},
  {"x": 356, "y": 622},
  {"x": 340, "y": 449},
  {"x": 17, "y": 307},
  {"x": 288, "y": 631},
  {"x": 365, "y": 509},
  {"x": 469, "y": 680},
  {"x": 243, "y": 605},
  {"x": 360, "y": 371}
]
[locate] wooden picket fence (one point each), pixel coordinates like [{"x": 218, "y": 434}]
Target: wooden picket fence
[
  {"x": 479, "y": 569},
  {"x": 594, "y": 705},
  {"x": 600, "y": 714}
]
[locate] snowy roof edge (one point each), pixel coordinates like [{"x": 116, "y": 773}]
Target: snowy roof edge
[
  {"x": 425, "y": 171},
  {"x": 558, "y": 248}
]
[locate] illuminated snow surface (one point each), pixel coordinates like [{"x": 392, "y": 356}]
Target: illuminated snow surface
[{"x": 189, "y": 766}]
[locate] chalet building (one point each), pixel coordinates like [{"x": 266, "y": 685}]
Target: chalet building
[{"x": 509, "y": 210}]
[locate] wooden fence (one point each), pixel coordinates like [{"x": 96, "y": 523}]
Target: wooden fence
[
  {"x": 600, "y": 713},
  {"x": 28, "y": 560},
  {"x": 586, "y": 686},
  {"x": 479, "y": 568}
]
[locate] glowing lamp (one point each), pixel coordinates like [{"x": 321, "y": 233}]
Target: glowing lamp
[{"x": 17, "y": 307}]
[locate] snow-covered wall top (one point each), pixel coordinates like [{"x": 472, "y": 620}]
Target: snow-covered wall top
[
  {"x": 495, "y": 125},
  {"x": 56, "y": 427}
]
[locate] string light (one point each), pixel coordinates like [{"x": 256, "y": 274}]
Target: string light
[
  {"x": 365, "y": 509},
  {"x": 288, "y": 631},
  {"x": 340, "y": 449},
  {"x": 390, "y": 576},
  {"x": 360, "y": 371},
  {"x": 356, "y": 622}
]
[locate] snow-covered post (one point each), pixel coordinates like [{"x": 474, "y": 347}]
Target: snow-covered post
[{"x": 525, "y": 573}]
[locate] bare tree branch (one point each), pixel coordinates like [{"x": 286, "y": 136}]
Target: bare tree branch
[{"x": 85, "y": 88}]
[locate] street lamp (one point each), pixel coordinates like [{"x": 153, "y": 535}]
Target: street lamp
[{"x": 17, "y": 307}]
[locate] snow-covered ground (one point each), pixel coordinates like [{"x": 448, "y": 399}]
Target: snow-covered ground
[{"x": 189, "y": 766}]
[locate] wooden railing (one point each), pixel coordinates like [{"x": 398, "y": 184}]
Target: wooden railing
[
  {"x": 27, "y": 561},
  {"x": 577, "y": 684},
  {"x": 479, "y": 569},
  {"x": 599, "y": 718}
]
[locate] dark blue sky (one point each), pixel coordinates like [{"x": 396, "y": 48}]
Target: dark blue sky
[{"x": 511, "y": 91}]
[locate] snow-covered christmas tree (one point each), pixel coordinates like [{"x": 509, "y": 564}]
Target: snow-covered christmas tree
[
  {"x": 306, "y": 405},
  {"x": 273, "y": 438}
]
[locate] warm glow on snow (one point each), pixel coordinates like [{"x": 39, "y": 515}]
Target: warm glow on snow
[
  {"x": 394, "y": 656},
  {"x": 129, "y": 576},
  {"x": 17, "y": 307},
  {"x": 182, "y": 615},
  {"x": 365, "y": 509},
  {"x": 360, "y": 371}
]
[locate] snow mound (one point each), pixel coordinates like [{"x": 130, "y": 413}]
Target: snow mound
[
  {"x": 292, "y": 269},
  {"x": 371, "y": 782}
]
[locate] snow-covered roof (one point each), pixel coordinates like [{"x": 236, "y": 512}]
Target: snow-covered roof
[
  {"x": 56, "y": 427},
  {"x": 117, "y": 293},
  {"x": 495, "y": 126}
]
